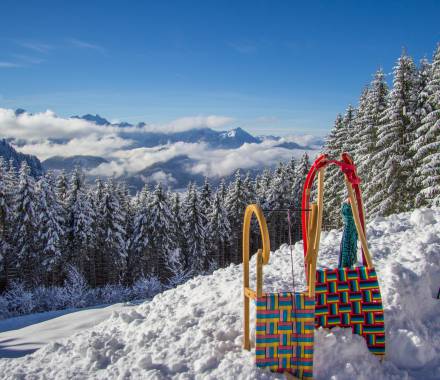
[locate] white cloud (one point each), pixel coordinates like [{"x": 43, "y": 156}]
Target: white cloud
[
  {"x": 93, "y": 145},
  {"x": 46, "y": 125},
  {"x": 304, "y": 140},
  {"x": 36, "y": 46},
  {"x": 222, "y": 162},
  {"x": 9, "y": 65},
  {"x": 208, "y": 161},
  {"x": 85, "y": 45},
  {"x": 189, "y": 122},
  {"x": 134, "y": 160},
  {"x": 162, "y": 177}
]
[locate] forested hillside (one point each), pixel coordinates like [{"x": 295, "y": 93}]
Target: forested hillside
[
  {"x": 9, "y": 154},
  {"x": 394, "y": 137},
  {"x": 55, "y": 223}
]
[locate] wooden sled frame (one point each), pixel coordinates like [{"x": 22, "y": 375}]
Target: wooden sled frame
[{"x": 262, "y": 258}]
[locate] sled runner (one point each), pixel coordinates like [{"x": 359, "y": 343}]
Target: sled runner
[
  {"x": 284, "y": 323},
  {"x": 345, "y": 297}
]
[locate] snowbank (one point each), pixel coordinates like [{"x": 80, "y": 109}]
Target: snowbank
[
  {"x": 25, "y": 334},
  {"x": 195, "y": 330}
]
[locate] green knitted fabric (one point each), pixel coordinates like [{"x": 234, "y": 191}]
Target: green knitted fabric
[{"x": 348, "y": 250}]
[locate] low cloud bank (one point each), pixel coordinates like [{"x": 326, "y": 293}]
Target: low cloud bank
[
  {"x": 207, "y": 161},
  {"x": 46, "y": 135}
]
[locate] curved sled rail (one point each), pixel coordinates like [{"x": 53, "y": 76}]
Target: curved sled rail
[
  {"x": 262, "y": 259},
  {"x": 346, "y": 165}
]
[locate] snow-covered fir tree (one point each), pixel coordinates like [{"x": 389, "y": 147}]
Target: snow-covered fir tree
[
  {"x": 79, "y": 223},
  {"x": 348, "y": 134},
  {"x": 178, "y": 263},
  {"x": 113, "y": 227},
  {"x": 25, "y": 226},
  {"x": 301, "y": 170},
  {"x": 205, "y": 196},
  {"x": 262, "y": 188},
  {"x": 248, "y": 189},
  {"x": 236, "y": 203},
  {"x": 427, "y": 142},
  {"x": 366, "y": 149},
  {"x": 138, "y": 265},
  {"x": 218, "y": 232},
  {"x": 62, "y": 185},
  {"x": 5, "y": 216},
  {"x": 161, "y": 243},
  {"x": 394, "y": 134},
  {"x": 50, "y": 236},
  {"x": 222, "y": 190},
  {"x": 279, "y": 190},
  {"x": 334, "y": 185},
  {"x": 195, "y": 230}
]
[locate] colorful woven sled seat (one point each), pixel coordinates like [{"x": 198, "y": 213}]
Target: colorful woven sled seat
[
  {"x": 351, "y": 298},
  {"x": 284, "y": 333},
  {"x": 285, "y": 321},
  {"x": 345, "y": 297}
]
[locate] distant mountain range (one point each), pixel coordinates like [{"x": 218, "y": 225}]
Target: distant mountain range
[
  {"x": 174, "y": 171},
  {"x": 56, "y": 163},
  {"x": 231, "y": 139}
]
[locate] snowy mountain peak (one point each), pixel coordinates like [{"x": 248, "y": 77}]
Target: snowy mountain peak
[
  {"x": 240, "y": 135},
  {"x": 98, "y": 120}
]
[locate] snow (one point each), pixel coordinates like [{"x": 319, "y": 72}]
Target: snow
[
  {"x": 22, "y": 335},
  {"x": 195, "y": 330}
]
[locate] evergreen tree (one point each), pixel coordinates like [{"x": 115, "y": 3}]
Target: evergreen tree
[
  {"x": 279, "y": 190},
  {"x": 349, "y": 136},
  {"x": 206, "y": 196},
  {"x": 113, "y": 226},
  {"x": 10, "y": 183},
  {"x": 5, "y": 217},
  {"x": 62, "y": 187},
  {"x": 301, "y": 172},
  {"x": 25, "y": 226},
  {"x": 178, "y": 262},
  {"x": 138, "y": 264},
  {"x": 222, "y": 190},
  {"x": 50, "y": 228},
  {"x": 262, "y": 190},
  {"x": 194, "y": 227},
  {"x": 427, "y": 142},
  {"x": 394, "y": 136},
  {"x": 248, "y": 189},
  {"x": 97, "y": 256},
  {"x": 218, "y": 232},
  {"x": 367, "y": 145},
  {"x": 291, "y": 173},
  {"x": 235, "y": 205},
  {"x": 127, "y": 214},
  {"x": 334, "y": 189},
  {"x": 79, "y": 224},
  {"x": 161, "y": 243},
  {"x": 277, "y": 202}
]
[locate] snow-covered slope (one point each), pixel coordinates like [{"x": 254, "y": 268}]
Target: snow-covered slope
[
  {"x": 195, "y": 330},
  {"x": 25, "y": 334}
]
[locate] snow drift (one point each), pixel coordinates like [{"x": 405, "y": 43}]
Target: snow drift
[{"x": 195, "y": 330}]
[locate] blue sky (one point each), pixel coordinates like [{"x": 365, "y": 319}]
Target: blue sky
[{"x": 276, "y": 67}]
